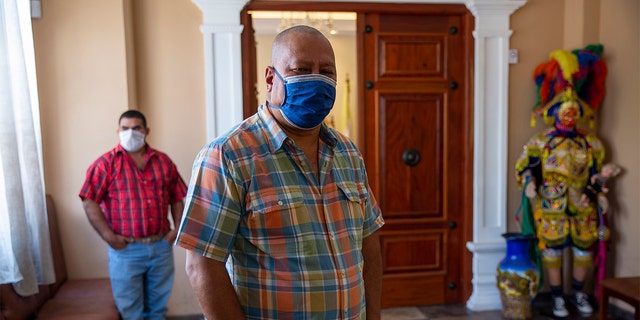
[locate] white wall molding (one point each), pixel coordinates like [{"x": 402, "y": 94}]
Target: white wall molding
[
  {"x": 223, "y": 79},
  {"x": 221, "y": 30},
  {"x": 490, "y": 166}
]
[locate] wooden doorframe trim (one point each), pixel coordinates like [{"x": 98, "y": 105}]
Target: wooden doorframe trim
[
  {"x": 423, "y": 8},
  {"x": 359, "y": 8}
]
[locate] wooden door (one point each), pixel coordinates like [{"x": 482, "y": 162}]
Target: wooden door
[
  {"x": 249, "y": 66},
  {"x": 418, "y": 148}
]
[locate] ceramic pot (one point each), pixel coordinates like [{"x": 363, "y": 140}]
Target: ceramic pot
[{"x": 517, "y": 277}]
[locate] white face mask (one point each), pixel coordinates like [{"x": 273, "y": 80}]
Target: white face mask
[{"x": 131, "y": 140}]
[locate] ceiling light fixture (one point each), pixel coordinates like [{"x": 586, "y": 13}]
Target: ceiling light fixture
[{"x": 323, "y": 21}]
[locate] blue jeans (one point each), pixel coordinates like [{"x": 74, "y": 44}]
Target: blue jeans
[{"x": 141, "y": 278}]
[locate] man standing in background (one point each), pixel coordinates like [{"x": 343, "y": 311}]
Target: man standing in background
[{"x": 126, "y": 195}]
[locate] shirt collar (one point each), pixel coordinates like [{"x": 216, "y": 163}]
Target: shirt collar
[{"x": 277, "y": 136}]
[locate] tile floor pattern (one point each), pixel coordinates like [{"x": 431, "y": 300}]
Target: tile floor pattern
[
  {"x": 441, "y": 312},
  {"x": 542, "y": 310}
]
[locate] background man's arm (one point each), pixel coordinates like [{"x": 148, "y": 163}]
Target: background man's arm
[
  {"x": 99, "y": 223},
  {"x": 213, "y": 288},
  {"x": 176, "y": 215},
  {"x": 372, "y": 275}
]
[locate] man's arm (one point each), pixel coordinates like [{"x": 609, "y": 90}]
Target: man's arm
[
  {"x": 212, "y": 286},
  {"x": 372, "y": 275},
  {"x": 99, "y": 223},
  {"x": 176, "y": 215}
]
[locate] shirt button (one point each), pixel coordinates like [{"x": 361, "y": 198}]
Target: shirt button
[{"x": 280, "y": 202}]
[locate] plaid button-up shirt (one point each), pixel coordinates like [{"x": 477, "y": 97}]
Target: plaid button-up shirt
[
  {"x": 135, "y": 202},
  {"x": 295, "y": 242}
]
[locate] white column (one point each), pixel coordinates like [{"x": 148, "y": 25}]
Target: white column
[
  {"x": 490, "y": 164},
  {"x": 221, "y": 30}
]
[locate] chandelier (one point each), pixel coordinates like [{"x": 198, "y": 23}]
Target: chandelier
[{"x": 323, "y": 21}]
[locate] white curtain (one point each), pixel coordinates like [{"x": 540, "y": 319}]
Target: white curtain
[{"x": 25, "y": 248}]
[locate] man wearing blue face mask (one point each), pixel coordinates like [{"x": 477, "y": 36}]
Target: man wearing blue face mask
[
  {"x": 285, "y": 202},
  {"x": 126, "y": 196}
]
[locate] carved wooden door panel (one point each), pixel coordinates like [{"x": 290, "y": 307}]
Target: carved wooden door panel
[{"x": 418, "y": 148}]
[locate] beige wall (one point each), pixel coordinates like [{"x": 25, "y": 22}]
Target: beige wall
[
  {"x": 80, "y": 61},
  {"x": 83, "y": 84},
  {"x": 620, "y": 123}
]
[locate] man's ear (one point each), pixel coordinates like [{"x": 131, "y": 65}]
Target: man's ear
[{"x": 268, "y": 77}]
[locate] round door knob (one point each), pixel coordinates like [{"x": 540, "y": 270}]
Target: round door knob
[{"x": 411, "y": 157}]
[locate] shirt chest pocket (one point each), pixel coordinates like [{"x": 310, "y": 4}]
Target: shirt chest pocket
[
  {"x": 275, "y": 221},
  {"x": 264, "y": 200}
]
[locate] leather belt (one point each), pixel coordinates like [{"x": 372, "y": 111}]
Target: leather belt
[{"x": 149, "y": 239}]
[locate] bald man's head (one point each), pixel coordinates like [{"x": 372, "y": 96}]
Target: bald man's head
[
  {"x": 299, "y": 50},
  {"x": 283, "y": 42}
]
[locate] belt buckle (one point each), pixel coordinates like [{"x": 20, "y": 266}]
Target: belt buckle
[{"x": 146, "y": 240}]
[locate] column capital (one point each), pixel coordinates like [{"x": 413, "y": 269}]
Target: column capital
[
  {"x": 494, "y": 7},
  {"x": 217, "y": 12},
  {"x": 493, "y": 14}
]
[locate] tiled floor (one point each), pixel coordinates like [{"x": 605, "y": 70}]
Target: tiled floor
[
  {"x": 442, "y": 312},
  {"x": 541, "y": 311}
]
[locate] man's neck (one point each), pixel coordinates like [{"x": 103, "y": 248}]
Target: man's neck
[
  {"x": 138, "y": 153},
  {"x": 302, "y": 136},
  {"x": 138, "y": 157}
]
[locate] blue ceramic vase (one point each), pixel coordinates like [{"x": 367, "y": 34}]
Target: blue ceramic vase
[{"x": 517, "y": 277}]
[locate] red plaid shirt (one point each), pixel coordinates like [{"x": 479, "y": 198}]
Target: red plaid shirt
[{"x": 135, "y": 202}]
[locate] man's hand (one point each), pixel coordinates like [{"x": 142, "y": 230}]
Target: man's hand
[
  {"x": 212, "y": 286},
  {"x": 99, "y": 223},
  {"x": 116, "y": 241},
  {"x": 171, "y": 236}
]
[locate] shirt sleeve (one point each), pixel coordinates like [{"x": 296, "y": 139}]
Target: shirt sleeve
[
  {"x": 96, "y": 181},
  {"x": 373, "y": 215},
  {"x": 212, "y": 207}
]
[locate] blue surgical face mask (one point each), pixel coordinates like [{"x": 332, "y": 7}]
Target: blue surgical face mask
[{"x": 308, "y": 99}]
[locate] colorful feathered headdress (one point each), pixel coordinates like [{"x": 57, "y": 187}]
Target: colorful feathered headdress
[{"x": 576, "y": 76}]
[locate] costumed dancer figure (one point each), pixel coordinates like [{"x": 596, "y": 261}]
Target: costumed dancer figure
[{"x": 556, "y": 166}]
